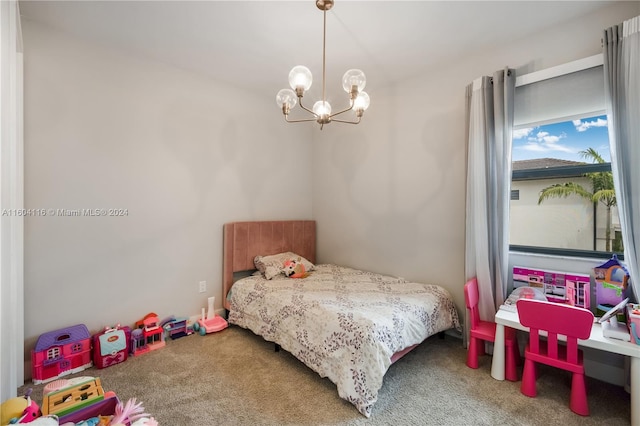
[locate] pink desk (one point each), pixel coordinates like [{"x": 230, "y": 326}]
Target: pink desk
[{"x": 596, "y": 341}]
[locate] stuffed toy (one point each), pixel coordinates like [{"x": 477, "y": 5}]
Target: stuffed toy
[
  {"x": 130, "y": 412},
  {"x": 294, "y": 269},
  {"x": 19, "y": 410}
]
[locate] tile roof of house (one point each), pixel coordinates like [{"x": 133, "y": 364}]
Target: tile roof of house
[{"x": 543, "y": 163}]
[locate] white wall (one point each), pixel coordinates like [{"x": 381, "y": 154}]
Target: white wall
[
  {"x": 183, "y": 154},
  {"x": 389, "y": 194}
]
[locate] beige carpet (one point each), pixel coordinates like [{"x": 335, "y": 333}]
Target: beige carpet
[{"x": 235, "y": 378}]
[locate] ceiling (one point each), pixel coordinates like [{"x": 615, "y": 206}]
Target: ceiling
[{"x": 254, "y": 44}]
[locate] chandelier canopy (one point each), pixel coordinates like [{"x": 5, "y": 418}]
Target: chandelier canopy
[{"x": 300, "y": 79}]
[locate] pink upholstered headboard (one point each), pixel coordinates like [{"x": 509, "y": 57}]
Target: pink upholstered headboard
[{"x": 243, "y": 241}]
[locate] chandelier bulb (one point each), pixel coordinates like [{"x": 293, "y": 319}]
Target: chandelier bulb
[
  {"x": 361, "y": 103},
  {"x": 286, "y": 98},
  {"x": 300, "y": 79},
  {"x": 322, "y": 110},
  {"x": 354, "y": 77}
]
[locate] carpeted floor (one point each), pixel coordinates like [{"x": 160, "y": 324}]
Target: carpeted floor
[{"x": 235, "y": 378}]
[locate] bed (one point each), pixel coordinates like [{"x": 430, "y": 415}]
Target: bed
[{"x": 345, "y": 324}]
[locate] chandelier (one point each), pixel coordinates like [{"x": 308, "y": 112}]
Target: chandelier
[{"x": 300, "y": 80}]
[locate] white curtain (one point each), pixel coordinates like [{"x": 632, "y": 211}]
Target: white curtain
[
  {"x": 621, "y": 45},
  {"x": 11, "y": 199},
  {"x": 490, "y": 103}
]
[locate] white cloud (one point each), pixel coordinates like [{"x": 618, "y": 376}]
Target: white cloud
[
  {"x": 583, "y": 126},
  {"x": 542, "y": 142},
  {"x": 534, "y": 147},
  {"x": 522, "y": 133},
  {"x": 544, "y": 147},
  {"x": 551, "y": 139}
]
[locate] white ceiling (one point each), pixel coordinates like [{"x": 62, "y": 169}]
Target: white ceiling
[{"x": 255, "y": 43}]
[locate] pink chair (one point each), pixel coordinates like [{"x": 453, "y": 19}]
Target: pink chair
[
  {"x": 485, "y": 331},
  {"x": 557, "y": 320}
]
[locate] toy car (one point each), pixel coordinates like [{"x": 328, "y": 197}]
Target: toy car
[{"x": 210, "y": 325}]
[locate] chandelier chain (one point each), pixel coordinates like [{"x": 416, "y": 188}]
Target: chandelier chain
[{"x": 324, "y": 55}]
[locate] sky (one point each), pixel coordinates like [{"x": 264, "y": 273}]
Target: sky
[{"x": 562, "y": 140}]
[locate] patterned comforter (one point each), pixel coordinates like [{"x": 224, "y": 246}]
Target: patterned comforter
[{"x": 343, "y": 323}]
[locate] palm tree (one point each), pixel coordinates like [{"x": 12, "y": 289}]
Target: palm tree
[{"x": 602, "y": 190}]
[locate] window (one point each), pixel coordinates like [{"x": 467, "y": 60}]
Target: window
[
  {"x": 558, "y": 117},
  {"x": 557, "y": 167},
  {"x": 53, "y": 353}
]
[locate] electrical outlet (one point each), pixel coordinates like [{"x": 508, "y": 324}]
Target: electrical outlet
[{"x": 203, "y": 286}]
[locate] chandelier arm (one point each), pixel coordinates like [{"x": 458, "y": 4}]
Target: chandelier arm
[
  {"x": 347, "y": 122},
  {"x": 305, "y": 108},
  {"x": 308, "y": 110},
  {"x": 343, "y": 111},
  {"x": 298, "y": 121}
]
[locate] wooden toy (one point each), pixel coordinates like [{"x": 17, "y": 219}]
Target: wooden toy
[
  {"x": 72, "y": 398},
  {"x": 106, "y": 407},
  {"x": 61, "y": 352}
]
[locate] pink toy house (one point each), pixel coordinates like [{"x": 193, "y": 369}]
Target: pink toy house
[
  {"x": 61, "y": 352},
  {"x": 147, "y": 336}
]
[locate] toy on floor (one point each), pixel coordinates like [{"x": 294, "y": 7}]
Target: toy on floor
[
  {"x": 46, "y": 421},
  {"x": 111, "y": 346},
  {"x": 56, "y": 385},
  {"x": 19, "y": 410},
  {"x": 130, "y": 413},
  {"x": 72, "y": 398},
  {"x": 61, "y": 352},
  {"x": 212, "y": 322},
  {"x": 100, "y": 411},
  {"x": 176, "y": 328},
  {"x": 147, "y": 336}
]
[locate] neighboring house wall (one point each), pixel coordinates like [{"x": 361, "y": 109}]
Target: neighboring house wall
[
  {"x": 389, "y": 194},
  {"x": 565, "y": 223},
  {"x": 557, "y": 222},
  {"x": 182, "y": 153}
]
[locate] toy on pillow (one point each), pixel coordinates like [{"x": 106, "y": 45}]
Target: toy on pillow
[{"x": 294, "y": 269}]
